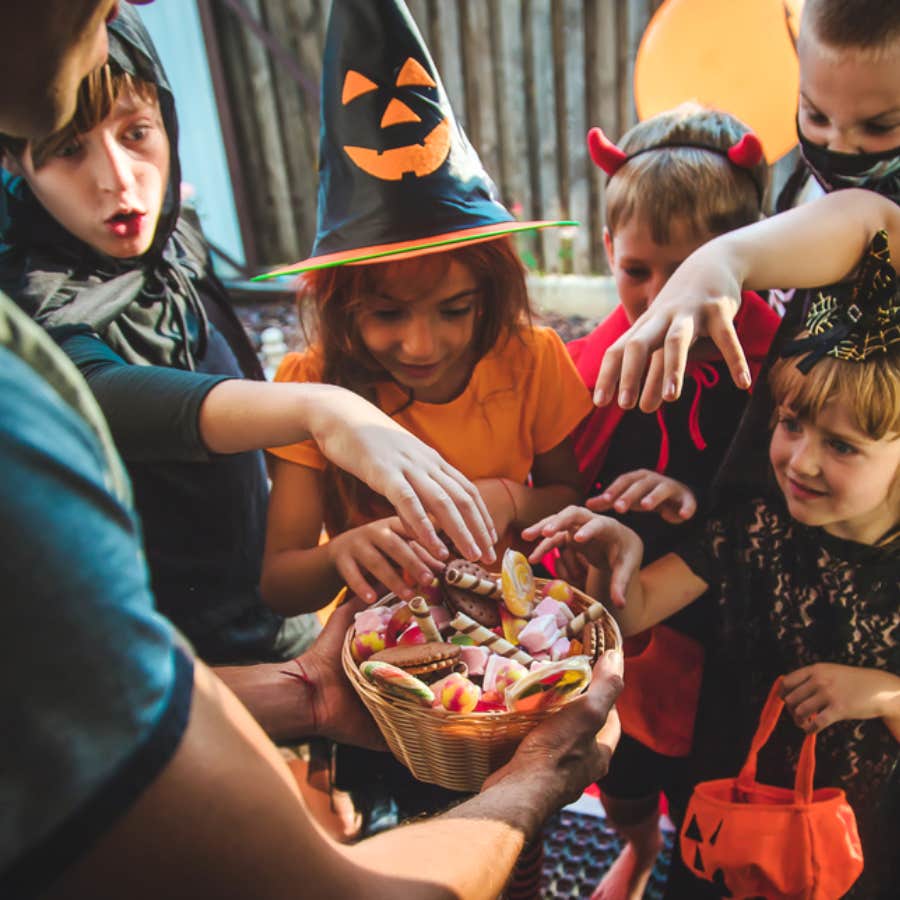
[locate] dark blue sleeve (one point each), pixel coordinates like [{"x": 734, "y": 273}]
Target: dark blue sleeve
[
  {"x": 94, "y": 688},
  {"x": 152, "y": 411}
]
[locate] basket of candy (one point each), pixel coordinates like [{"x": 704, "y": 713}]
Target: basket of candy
[{"x": 458, "y": 676}]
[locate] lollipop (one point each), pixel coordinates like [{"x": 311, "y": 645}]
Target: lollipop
[{"x": 517, "y": 584}]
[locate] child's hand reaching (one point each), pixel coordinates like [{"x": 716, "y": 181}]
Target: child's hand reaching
[
  {"x": 645, "y": 491},
  {"x": 605, "y": 543},
  {"x": 824, "y": 693},
  {"x": 381, "y": 549}
]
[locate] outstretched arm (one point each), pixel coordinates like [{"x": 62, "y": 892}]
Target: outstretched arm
[
  {"x": 359, "y": 438},
  {"x": 638, "y": 597},
  {"x": 819, "y": 243},
  {"x": 225, "y": 818}
]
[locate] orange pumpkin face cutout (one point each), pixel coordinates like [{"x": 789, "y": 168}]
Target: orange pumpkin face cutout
[{"x": 420, "y": 158}]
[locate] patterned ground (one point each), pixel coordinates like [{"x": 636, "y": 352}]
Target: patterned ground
[{"x": 578, "y": 849}]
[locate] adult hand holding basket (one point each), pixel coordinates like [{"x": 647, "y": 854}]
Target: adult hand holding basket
[{"x": 459, "y": 750}]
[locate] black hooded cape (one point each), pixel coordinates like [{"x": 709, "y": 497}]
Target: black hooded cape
[{"x": 152, "y": 336}]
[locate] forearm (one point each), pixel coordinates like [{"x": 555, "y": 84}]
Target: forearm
[
  {"x": 280, "y": 703},
  {"x": 815, "y": 244},
  {"x": 630, "y": 618},
  {"x": 299, "y": 580},
  {"x": 499, "y": 821},
  {"x": 242, "y": 415}
]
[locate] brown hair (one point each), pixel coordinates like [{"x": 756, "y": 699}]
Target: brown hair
[
  {"x": 97, "y": 95},
  {"x": 870, "y": 388},
  {"x": 872, "y": 25},
  {"x": 700, "y": 186},
  {"x": 330, "y": 299}
]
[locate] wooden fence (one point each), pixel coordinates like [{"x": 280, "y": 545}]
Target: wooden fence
[{"x": 527, "y": 78}]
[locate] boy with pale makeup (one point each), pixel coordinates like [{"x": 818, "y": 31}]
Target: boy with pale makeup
[
  {"x": 109, "y": 787},
  {"x": 101, "y": 254}
]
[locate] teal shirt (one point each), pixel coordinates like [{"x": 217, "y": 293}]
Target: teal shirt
[{"x": 95, "y": 687}]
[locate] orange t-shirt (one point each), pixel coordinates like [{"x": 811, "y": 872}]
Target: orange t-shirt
[{"x": 523, "y": 399}]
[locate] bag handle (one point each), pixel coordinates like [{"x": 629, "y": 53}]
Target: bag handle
[{"x": 806, "y": 765}]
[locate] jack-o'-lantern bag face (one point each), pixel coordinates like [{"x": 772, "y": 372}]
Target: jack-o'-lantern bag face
[
  {"x": 397, "y": 175},
  {"x": 754, "y": 840}
]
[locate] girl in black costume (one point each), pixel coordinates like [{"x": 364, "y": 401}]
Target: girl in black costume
[{"x": 803, "y": 551}]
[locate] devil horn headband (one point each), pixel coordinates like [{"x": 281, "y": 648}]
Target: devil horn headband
[{"x": 745, "y": 154}]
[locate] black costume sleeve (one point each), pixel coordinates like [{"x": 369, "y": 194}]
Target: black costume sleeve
[{"x": 152, "y": 411}]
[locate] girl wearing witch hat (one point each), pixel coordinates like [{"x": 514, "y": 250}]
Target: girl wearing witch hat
[
  {"x": 802, "y": 550},
  {"x": 417, "y": 301}
]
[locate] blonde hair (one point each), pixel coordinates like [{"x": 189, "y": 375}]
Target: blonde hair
[
  {"x": 871, "y": 389},
  {"x": 97, "y": 95},
  {"x": 702, "y": 187}
]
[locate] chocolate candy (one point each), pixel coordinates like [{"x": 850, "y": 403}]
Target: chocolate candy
[
  {"x": 429, "y": 661},
  {"x": 481, "y": 605}
]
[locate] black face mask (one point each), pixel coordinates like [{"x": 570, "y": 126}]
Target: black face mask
[{"x": 879, "y": 172}]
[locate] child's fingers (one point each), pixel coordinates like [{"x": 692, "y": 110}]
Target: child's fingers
[
  {"x": 460, "y": 514},
  {"x": 635, "y": 497},
  {"x": 547, "y": 544},
  {"x": 792, "y": 679},
  {"x": 614, "y": 490},
  {"x": 478, "y": 520},
  {"x": 679, "y": 338},
  {"x": 799, "y": 694},
  {"x": 720, "y": 327},
  {"x": 652, "y": 394},
  {"x": 353, "y": 578},
  {"x": 813, "y": 707},
  {"x": 625, "y": 565},
  {"x": 434, "y": 565},
  {"x": 564, "y": 520}
]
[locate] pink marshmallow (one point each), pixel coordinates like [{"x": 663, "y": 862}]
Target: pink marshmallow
[
  {"x": 371, "y": 619},
  {"x": 475, "y": 658},
  {"x": 441, "y": 617},
  {"x": 500, "y": 673},
  {"x": 560, "y": 648},
  {"x": 550, "y": 607},
  {"x": 539, "y": 634}
]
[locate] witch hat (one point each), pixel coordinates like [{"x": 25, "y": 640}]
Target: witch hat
[
  {"x": 397, "y": 175},
  {"x": 857, "y": 320}
]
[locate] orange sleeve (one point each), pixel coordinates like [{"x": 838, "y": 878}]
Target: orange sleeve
[
  {"x": 300, "y": 367},
  {"x": 559, "y": 397}
]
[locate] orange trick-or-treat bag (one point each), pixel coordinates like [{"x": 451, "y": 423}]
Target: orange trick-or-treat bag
[{"x": 756, "y": 840}]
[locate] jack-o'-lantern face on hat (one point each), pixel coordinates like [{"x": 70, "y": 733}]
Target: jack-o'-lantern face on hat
[
  {"x": 397, "y": 176},
  {"x": 424, "y": 149}
]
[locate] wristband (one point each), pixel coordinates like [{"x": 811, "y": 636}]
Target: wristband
[{"x": 301, "y": 675}]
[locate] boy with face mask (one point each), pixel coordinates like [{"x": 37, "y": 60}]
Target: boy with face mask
[{"x": 848, "y": 120}]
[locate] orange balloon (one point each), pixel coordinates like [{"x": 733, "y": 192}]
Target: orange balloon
[{"x": 737, "y": 56}]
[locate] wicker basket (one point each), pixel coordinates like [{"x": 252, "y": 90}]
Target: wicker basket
[{"x": 455, "y": 750}]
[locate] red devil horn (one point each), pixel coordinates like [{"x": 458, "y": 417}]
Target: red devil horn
[
  {"x": 604, "y": 152},
  {"x": 747, "y": 152}
]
